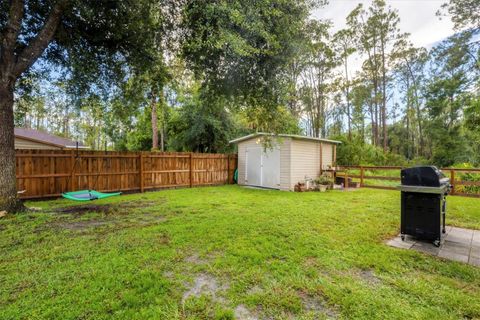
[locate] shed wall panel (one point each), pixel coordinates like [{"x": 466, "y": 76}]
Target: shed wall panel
[
  {"x": 327, "y": 154},
  {"x": 285, "y": 163},
  {"x": 305, "y": 161}
]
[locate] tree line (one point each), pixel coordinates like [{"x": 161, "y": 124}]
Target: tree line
[{"x": 184, "y": 75}]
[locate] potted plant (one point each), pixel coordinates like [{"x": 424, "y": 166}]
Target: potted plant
[{"x": 323, "y": 182}]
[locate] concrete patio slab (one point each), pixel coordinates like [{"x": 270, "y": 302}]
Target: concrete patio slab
[
  {"x": 475, "y": 252},
  {"x": 398, "y": 243},
  {"x": 451, "y": 255},
  {"x": 458, "y": 244},
  {"x": 474, "y": 262},
  {"x": 476, "y": 238}
]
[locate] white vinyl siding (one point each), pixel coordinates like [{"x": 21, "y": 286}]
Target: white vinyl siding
[
  {"x": 299, "y": 159},
  {"x": 327, "y": 154},
  {"x": 27, "y": 144},
  {"x": 305, "y": 157},
  {"x": 285, "y": 164}
]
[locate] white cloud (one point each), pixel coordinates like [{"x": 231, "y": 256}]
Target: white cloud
[{"x": 417, "y": 17}]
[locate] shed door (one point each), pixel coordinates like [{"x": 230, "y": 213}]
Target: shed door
[
  {"x": 271, "y": 168},
  {"x": 263, "y": 168},
  {"x": 253, "y": 165}
]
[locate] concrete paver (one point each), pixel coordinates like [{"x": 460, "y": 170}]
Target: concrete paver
[{"x": 458, "y": 244}]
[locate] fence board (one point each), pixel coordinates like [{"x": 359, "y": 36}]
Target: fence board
[
  {"x": 48, "y": 173},
  {"x": 458, "y": 184}
]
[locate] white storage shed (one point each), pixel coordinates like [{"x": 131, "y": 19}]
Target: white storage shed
[{"x": 284, "y": 160}]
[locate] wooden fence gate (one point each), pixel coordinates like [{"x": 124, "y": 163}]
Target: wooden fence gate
[{"x": 48, "y": 173}]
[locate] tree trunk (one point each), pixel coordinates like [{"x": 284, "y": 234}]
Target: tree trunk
[
  {"x": 8, "y": 181},
  {"x": 154, "y": 122},
  {"x": 384, "y": 100},
  {"x": 162, "y": 122},
  {"x": 372, "y": 120},
  {"x": 347, "y": 97},
  {"x": 407, "y": 118},
  {"x": 162, "y": 140}
]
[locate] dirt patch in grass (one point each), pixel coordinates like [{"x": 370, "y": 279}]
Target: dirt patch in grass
[
  {"x": 317, "y": 306},
  {"x": 254, "y": 290},
  {"x": 196, "y": 259},
  {"x": 369, "y": 277},
  {"x": 205, "y": 284},
  {"x": 81, "y": 225},
  {"x": 109, "y": 209},
  {"x": 116, "y": 224},
  {"x": 83, "y": 209},
  {"x": 241, "y": 312}
]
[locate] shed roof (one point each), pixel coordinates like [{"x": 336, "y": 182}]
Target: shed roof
[
  {"x": 293, "y": 136},
  {"x": 46, "y": 138}
]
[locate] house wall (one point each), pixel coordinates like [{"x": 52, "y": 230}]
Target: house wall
[
  {"x": 27, "y": 144},
  {"x": 283, "y": 143}
]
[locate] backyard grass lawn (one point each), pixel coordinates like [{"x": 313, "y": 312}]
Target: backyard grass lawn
[{"x": 229, "y": 252}]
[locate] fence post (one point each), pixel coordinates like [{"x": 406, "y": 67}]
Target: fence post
[
  {"x": 72, "y": 174},
  {"x": 361, "y": 176},
  {"x": 452, "y": 181},
  {"x": 142, "y": 184},
  {"x": 228, "y": 168},
  {"x": 346, "y": 179},
  {"x": 191, "y": 169}
]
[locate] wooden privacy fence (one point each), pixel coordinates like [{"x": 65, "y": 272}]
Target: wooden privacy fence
[
  {"x": 465, "y": 182},
  {"x": 48, "y": 173}
]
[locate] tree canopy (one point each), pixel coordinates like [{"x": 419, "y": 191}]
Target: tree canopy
[{"x": 187, "y": 75}]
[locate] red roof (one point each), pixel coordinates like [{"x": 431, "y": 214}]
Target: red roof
[{"x": 40, "y": 136}]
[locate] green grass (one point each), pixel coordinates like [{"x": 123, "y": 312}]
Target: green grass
[{"x": 279, "y": 255}]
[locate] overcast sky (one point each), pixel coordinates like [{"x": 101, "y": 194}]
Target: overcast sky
[{"x": 417, "y": 17}]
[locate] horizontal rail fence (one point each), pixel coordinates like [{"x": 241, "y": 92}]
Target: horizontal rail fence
[
  {"x": 48, "y": 173},
  {"x": 465, "y": 181}
]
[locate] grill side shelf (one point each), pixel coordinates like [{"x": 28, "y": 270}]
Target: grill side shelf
[{"x": 422, "y": 189}]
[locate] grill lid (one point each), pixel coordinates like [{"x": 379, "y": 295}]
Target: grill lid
[{"x": 425, "y": 176}]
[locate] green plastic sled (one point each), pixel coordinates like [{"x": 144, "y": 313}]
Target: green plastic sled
[{"x": 88, "y": 195}]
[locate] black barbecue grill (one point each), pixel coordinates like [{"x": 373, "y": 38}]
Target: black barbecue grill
[{"x": 423, "y": 203}]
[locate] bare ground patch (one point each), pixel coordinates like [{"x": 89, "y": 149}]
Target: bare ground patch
[
  {"x": 241, "y": 312},
  {"x": 317, "y": 306},
  {"x": 82, "y": 225},
  {"x": 369, "y": 277},
  {"x": 83, "y": 209},
  {"x": 205, "y": 284},
  {"x": 109, "y": 209},
  {"x": 256, "y": 289},
  {"x": 196, "y": 259}
]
